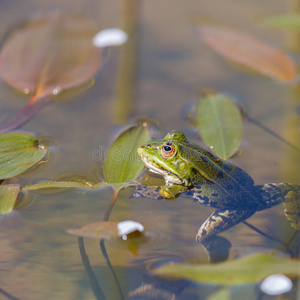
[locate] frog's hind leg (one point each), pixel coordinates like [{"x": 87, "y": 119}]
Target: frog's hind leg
[{"x": 221, "y": 220}]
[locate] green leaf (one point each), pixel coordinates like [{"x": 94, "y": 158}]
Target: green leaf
[
  {"x": 223, "y": 294},
  {"x": 245, "y": 270},
  {"x": 219, "y": 123},
  {"x": 287, "y": 21},
  {"x": 122, "y": 162},
  {"x": 8, "y": 197},
  {"x": 63, "y": 185},
  {"x": 18, "y": 152}
]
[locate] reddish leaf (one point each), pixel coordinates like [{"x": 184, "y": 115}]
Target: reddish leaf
[
  {"x": 46, "y": 56},
  {"x": 109, "y": 230},
  {"x": 97, "y": 230},
  {"x": 248, "y": 51}
]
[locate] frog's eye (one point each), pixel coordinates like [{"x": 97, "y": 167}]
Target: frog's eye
[{"x": 168, "y": 150}]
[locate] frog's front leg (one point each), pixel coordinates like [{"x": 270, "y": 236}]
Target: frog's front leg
[
  {"x": 168, "y": 192},
  {"x": 221, "y": 220},
  {"x": 171, "y": 192}
]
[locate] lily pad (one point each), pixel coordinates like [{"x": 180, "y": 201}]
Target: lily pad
[
  {"x": 122, "y": 162},
  {"x": 18, "y": 152},
  {"x": 245, "y": 270},
  {"x": 219, "y": 123},
  {"x": 8, "y": 197}
]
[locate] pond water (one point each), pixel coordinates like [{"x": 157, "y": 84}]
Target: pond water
[{"x": 39, "y": 260}]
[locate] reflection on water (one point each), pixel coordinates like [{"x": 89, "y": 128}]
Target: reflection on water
[{"x": 40, "y": 261}]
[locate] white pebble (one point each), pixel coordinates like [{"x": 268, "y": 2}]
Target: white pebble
[
  {"x": 110, "y": 37},
  {"x": 127, "y": 227},
  {"x": 276, "y": 284}
]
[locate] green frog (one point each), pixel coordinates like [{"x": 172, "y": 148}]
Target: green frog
[{"x": 191, "y": 171}]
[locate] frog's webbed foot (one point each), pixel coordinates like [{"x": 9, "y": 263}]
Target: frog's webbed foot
[
  {"x": 171, "y": 192},
  {"x": 221, "y": 220},
  {"x": 152, "y": 192},
  {"x": 168, "y": 192},
  {"x": 276, "y": 193}
]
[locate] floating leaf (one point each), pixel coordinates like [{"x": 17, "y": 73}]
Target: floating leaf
[
  {"x": 18, "y": 152},
  {"x": 248, "y": 51},
  {"x": 219, "y": 123},
  {"x": 46, "y": 56},
  {"x": 63, "y": 185},
  {"x": 245, "y": 270},
  {"x": 8, "y": 197},
  {"x": 97, "y": 230},
  {"x": 287, "y": 21},
  {"x": 223, "y": 294},
  {"x": 109, "y": 230},
  {"x": 122, "y": 162}
]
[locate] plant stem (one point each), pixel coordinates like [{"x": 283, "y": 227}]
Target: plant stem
[
  {"x": 25, "y": 114},
  {"x": 93, "y": 280},
  {"x": 111, "y": 205}
]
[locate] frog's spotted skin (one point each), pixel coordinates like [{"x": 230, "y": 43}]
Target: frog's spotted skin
[{"x": 196, "y": 173}]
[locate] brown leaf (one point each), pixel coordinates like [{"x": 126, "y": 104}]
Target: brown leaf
[
  {"x": 97, "y": 230},
  {"x": 248, "y": 51},
  {"x": 46, "y": 56}
]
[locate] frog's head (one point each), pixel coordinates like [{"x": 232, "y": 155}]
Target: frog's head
[{"x": 165, "y": 157}]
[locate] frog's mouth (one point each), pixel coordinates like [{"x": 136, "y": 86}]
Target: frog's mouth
[{"x": 153, "y": 167}]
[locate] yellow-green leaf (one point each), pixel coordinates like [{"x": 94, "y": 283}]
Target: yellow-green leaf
[
  {"x": 62, "y": 185},
  {"x": 122, "y": 162},
  {"x": 18, "y": 152},
  {"x": 245, "y": 270},
  {"x": 286, "y": 21},
  {"x": 219, "y": 123},
  {"x": 8, "y": 197}
]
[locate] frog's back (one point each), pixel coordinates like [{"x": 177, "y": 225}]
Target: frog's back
[
  {"x": 218, "y": 183},
  {"x": 233, "y": 191}
]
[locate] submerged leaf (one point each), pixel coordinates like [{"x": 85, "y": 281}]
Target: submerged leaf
[
  {"x": 47, "y": 56},
  {"x": 219, "y": 123},
  {"x": 245, "y": 270},
  {"x": 122, "y": 162},
  {"x": 18, "y": 152},
  {"x": 8, "y": 197},
  {"x": 248, "y": 51}
]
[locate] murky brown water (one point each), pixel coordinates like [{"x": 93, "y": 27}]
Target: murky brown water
[{"x": 38, "y": 259}]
